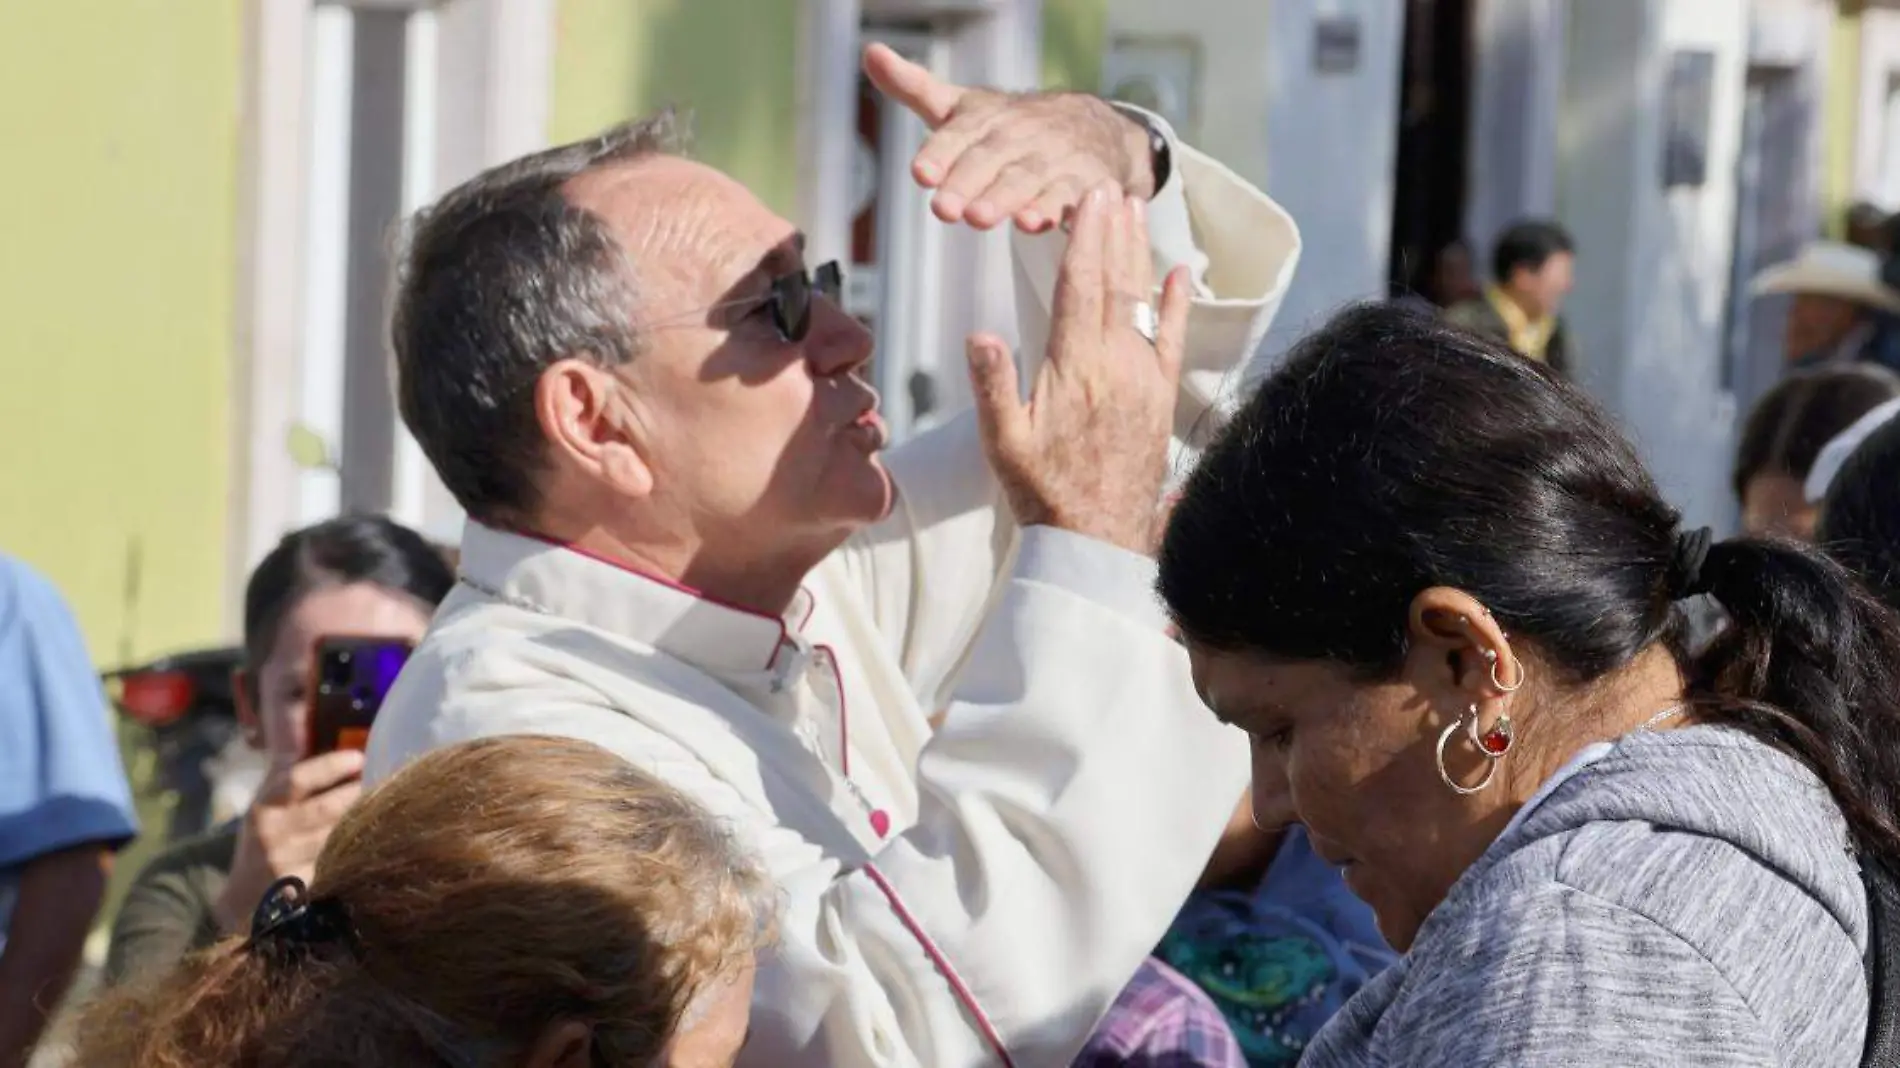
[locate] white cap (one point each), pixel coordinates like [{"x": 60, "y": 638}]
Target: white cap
[{"x": 1833, "y": 456}]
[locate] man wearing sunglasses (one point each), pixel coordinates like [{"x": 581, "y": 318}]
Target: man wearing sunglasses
[{"x": 687, "y": 544}]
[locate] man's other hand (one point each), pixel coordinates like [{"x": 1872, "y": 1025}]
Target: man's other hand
[{"x": 1089, "y": 451}]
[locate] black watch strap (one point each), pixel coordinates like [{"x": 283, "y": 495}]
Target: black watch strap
[{"x": 1160, "y": 154}]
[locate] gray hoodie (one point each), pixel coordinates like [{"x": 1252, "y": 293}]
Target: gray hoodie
[{"x": 1687, "y": 899}]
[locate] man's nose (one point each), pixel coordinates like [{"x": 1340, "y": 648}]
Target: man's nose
[{"x": 838, "y": 344}]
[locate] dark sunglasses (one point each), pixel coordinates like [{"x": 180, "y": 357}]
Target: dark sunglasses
[
  {"x": 789, "y": 301},
  {"x": 791, "y": 298}
]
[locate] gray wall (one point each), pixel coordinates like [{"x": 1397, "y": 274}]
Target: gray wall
[
  {"x": 1331, "y": 141},
  {"x": 1652, "y": 279},
  {"x": 1516, "y": 93},
  {"x": 1322, "y": 144}
]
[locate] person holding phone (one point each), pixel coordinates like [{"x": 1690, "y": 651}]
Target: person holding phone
[{"x": 341, "y": 583}]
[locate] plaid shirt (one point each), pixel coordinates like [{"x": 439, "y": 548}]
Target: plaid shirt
[{"x": 1161, "y": 1020}]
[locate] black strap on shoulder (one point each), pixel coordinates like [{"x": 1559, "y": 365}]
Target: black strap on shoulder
[{"x": 1883, "y": 963}]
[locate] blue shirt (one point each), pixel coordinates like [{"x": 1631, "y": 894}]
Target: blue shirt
[
  {"x": 1281, "y": 959},
  {"x": 61, "y": 780}
]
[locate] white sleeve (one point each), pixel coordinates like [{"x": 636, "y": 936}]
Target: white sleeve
[
  {"x": 928, "y": 570},
  {"x": 1068, "y": 803},
  {"x": 1064, "y": 813}
]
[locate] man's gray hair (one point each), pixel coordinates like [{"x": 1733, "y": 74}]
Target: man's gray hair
[{"x": 501, "y": 278}]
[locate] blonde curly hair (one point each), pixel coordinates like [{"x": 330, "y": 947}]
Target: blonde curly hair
[{"x": 489, "y": 888}]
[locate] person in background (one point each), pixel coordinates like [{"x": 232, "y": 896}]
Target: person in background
[
  {"x": 1444, "y": 280},
  {"x": 1588, "y": 844},
  {"x": 1533, "y": 266},
  {"x": 360, "y": 576},
  {"x": 65, "y": 805},
  {"x": 1860, "y": 516},
  {"x": 1868, "y": 227},
  {"x": 519, "y": 902},
  {"x": 1274, "y": 938},
  {"x": 1835, "y": 453},
  {"x": 1162, "y": 1019},
  {"x": 1784, "y": 435},
  {"x": 1840, "y": 301}
]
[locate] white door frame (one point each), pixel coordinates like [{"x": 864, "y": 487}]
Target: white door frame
[
  {"x": 910, "y": 254},
  {"x": 493, "y": 84},
  {"x": 270, "y": 286},
  {"x": 1789, "y": 46},
  {"x": 1879, "y": 66}
]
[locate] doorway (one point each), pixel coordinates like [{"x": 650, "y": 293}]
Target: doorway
[
  {"x": 1434, "y": 133},
  {"x": 1769, "y": 227},
  {"x": 895, "y": 281}
]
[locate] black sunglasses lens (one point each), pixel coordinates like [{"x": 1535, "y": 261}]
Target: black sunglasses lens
[
  {"x": 792, "y": 306},
  {"x": 830, "y": 281}
]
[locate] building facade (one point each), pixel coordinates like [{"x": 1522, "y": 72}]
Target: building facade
[
  {"x": 198, "y": 233},
  {"x": 1687, "y": 144},
  {"x": 197, "y": 236}
]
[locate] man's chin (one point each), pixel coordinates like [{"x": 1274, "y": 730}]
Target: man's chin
[
  {"x": 879, "y": 495},
  {"x": 854, "y": 499}
]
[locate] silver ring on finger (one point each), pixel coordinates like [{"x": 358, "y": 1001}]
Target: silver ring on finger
[{"x": 1147, "y": 322}]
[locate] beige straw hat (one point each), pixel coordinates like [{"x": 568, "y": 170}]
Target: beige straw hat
[{"x": 1831, "y": 269}]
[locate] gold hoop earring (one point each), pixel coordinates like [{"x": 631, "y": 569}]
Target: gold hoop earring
[
  {"x": 1491, "y": 656},
  {"x": 1484, "y": 743}
]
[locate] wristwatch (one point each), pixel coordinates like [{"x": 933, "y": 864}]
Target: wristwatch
[{"x": 1160, "y": 155}]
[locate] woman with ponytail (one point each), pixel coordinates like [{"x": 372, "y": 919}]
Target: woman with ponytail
[
  {"x": 1440, "y": 593},
  {"x": 508, "y": 903}
]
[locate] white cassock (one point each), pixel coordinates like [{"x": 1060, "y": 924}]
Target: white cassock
[{"x": 974, "y": 895}]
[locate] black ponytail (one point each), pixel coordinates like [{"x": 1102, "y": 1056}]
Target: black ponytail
[{"x": 1810, "y": 663}]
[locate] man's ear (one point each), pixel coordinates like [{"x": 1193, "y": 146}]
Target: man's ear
[
  {"x": 1452, "y": 644},
  {"x": 590, "y": 421}
]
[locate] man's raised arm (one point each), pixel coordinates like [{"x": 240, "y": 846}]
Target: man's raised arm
[{"x": 1024, "y": 160}]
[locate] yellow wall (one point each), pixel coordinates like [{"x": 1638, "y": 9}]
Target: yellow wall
[
  {"x": 733, "y": 62},
  {"x": 1074, "y": 33},
  {"x": 116, "y": 258}
]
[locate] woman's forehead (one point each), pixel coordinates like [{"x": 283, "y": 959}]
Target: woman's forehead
[{"x": 1235, "y": 681}]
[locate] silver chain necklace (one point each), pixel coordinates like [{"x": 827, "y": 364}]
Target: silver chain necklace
[
  {"x": 506, "y": 598},
  {"x": 1676, "y": 709}
]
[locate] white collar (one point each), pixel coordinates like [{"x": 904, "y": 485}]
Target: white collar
[
  {"x": 569, "y": 583},
  {"x": 1834, "y": 454}
]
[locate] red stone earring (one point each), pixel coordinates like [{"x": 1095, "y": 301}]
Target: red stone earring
[{"x": 1495, "y": 742}]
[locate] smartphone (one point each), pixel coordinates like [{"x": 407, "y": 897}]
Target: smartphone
[{"x": 352, "y": 676}]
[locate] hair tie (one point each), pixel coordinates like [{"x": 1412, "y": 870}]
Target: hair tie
[
  {"x": 288, "y": 923},
  {"x": 1685, "y": 578}
]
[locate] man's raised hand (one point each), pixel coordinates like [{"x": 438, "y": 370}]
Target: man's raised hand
[{"x": 995, "y": 156}]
